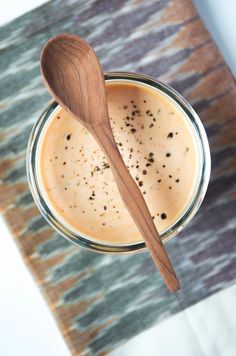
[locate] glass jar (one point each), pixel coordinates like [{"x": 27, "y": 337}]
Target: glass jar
[{"x": 171, "y": 231}]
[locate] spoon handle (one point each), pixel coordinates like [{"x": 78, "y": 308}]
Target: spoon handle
[{"x": 137, "y": 206}]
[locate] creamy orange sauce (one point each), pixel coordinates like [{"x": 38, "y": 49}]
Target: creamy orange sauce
[{"x": 157, "y": 144}]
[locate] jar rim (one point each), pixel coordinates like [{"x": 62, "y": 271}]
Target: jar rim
[{"x": 169, "y": 232}]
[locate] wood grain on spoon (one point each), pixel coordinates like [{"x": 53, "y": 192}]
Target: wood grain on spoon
[{"x": 74, "y": 77}]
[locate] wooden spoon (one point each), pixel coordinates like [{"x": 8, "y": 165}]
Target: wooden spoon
[{"x": 74, "y": 77}]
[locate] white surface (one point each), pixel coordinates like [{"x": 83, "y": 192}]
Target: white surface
[
  {"x": 10, "y": 9},
  {"x": 27, "y": 327},
  {"x": 219, "y": 17},
  {"x": 206, "y": 329}
]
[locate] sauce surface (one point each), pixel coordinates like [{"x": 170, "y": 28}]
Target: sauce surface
[{"x": 158, "y": 146}]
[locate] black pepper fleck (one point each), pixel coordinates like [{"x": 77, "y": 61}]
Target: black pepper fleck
[
  {"x": 105, "y": 165},
  {"x": 163, "y": 216}
]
